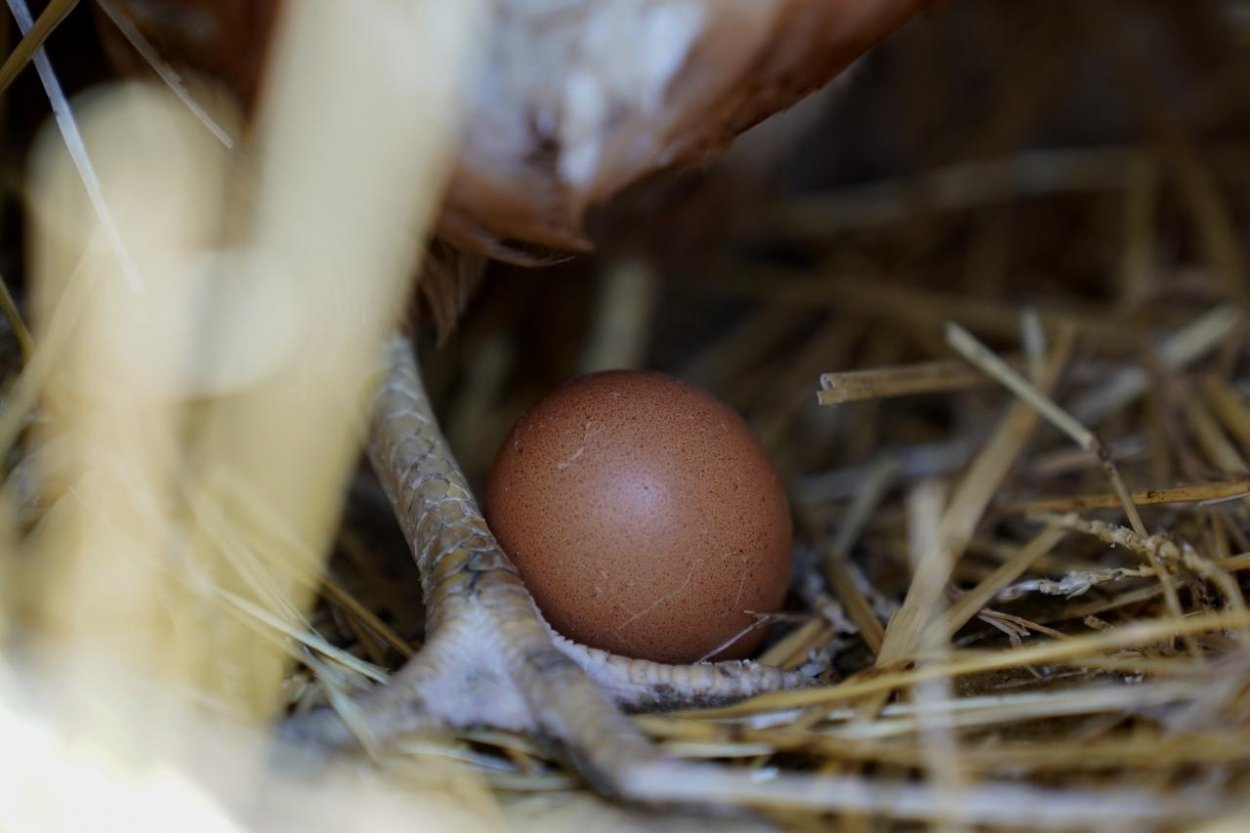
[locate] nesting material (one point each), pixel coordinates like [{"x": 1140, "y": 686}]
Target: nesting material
[{"x": 1020, "y": 553}]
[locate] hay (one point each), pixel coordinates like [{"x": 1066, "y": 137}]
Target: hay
[{"x": 994, "y": 336}]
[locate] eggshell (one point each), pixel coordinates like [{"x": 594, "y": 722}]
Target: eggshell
[{"x": 643, "y": 516}]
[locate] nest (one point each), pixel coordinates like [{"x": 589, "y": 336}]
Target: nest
[{"x": 985, "y": 305}]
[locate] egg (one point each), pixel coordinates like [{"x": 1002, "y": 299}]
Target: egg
[{"x": 644, "y": 517}]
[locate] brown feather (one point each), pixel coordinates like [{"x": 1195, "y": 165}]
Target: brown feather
[{"x": 574, "y": 100}]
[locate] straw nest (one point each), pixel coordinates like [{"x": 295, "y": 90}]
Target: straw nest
[{"x": 985, "y": 304}]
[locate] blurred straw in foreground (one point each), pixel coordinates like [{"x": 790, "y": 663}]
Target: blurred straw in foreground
[{"x": 196, "y": 431}]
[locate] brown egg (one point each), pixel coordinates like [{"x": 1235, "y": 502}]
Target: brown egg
[{"x": 644, "y": 517}]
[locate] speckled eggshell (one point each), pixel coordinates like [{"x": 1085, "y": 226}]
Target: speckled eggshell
[{"x": 643, "y": 515}]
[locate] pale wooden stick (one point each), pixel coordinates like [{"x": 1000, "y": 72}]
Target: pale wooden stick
[
  {"x": 906, "y": 380},
  {"x": 1196, "y": 493}
]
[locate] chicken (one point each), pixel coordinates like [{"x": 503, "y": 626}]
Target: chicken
[{"x": 573, "y": 100}]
